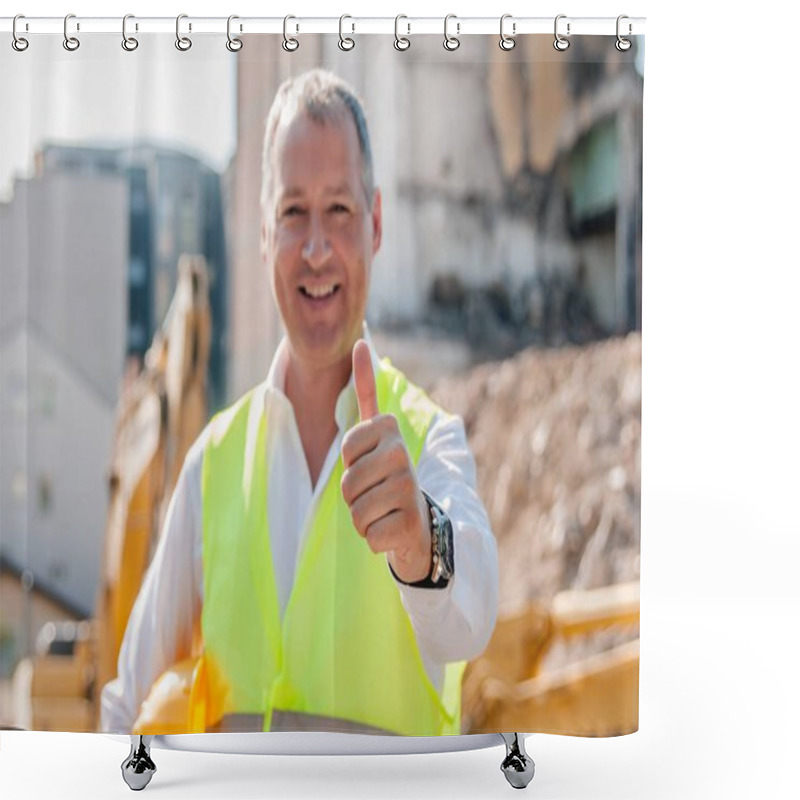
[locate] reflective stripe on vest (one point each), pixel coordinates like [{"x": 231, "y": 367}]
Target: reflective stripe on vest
[{"x": 346, "y": 648}]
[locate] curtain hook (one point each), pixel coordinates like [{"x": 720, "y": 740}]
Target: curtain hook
[
  {"x": 71, "y": 43},
  {"x": 183, "y": 43},
  {"x": 346, "y": 42},
  {"x": 129, "y": 43},
  {"x": 451, "y": 42},
  {"x": 560, "y": 42},
  {"x": 401, "y": 42},
  {"x": 19, "y": 43},
  {"x": 290, "y": 44},
  {"x": 623, "y": 44},
  {"x": 233, "y": 44},
  {"x": 507, "y": 42}
]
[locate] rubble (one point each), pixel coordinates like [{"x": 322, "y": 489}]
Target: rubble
[{"x": 556, "y": 437}]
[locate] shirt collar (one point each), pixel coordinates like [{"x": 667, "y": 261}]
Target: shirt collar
[{"x": 346, "y": 411}]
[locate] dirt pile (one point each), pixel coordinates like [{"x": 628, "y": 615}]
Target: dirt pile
[{"x": 556, "y": 436}]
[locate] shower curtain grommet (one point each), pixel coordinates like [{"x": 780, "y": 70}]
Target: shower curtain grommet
[
  {"x": 129, "y": 43},
  {"x": 560, "y": 42},
  {"x": 401, "y": 43},
  {"x": 622, "y": 44},
  {"x": 71, "y": 43},
  {"x": 183, "y": 43},
  {"x": 289, "y": 44},
  {"x": 451, "y": 43},
  {"x": 507, "y": 42},
  {"x": 233, "y": 44},
  {"x": 346, "y": 43},
  {"x": 19, "y": 43}
]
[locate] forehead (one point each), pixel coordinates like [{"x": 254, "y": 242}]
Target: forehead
[{"x": 311, "y": 154}]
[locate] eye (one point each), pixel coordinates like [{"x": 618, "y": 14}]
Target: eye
[
  {"x": 340, "y": 208},
  {"x": 292, "y": 211}
]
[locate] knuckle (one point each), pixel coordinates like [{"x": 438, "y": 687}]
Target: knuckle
[
  {"x": 407, "y": 484},
  {"x": 360, "y": 521},
  {"x": 398, "y": 455},
  {"x": 347, "y": 450},
  {"x": 347, "y": 487}
]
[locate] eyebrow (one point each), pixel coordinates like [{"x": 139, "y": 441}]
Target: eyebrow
[{"x": 294, "y": 191}]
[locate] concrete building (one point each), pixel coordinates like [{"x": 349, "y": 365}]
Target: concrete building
[
  {"x": 88, "y": 263},
  {"x": 175, "y": 205},
  {"x": 511, "y": 185},
  {"x": 64, "y": 258}
]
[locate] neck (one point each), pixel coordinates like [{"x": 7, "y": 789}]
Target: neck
[{"x": 313, "y": 392}]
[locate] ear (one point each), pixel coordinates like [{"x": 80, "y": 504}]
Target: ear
[{"x": 377, "y": 221}]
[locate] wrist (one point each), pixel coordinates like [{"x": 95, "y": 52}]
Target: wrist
[
  {"x": 412, "y": 565},
  {"x": 439, "y": 554}
]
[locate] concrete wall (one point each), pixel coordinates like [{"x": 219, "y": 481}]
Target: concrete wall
[
  {"x": 470, "y": 154},
  {"x": 62, "y": 346}
]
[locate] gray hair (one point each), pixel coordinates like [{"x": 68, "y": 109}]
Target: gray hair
[{"x": 325, "y": 98}]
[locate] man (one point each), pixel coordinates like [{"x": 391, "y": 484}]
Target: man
[{"x": 325, "y": 529}]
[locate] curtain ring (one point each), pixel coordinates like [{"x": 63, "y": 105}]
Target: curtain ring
[
  {"x": 19, "y": 43},
  {"x": 622, "y": 44},
  {"x": 183, "y": 43},
  {"x": 560, "y": 42},
  {"x": 70, "y": 42},
  {"x": 233, "y": 44},
  {"x": 401, "y": 43},
  {"x": 451, "y": 42},
  {"x": 346, "y": 43},
  {"x": 506, "y": 42},
  {"x": 290, "y": 44},
  {"x": 129, "y": 43}
]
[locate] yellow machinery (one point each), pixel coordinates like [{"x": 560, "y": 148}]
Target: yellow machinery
[
  {"x": 597, "y": 695},
  {"x": 161, "y": 411}
]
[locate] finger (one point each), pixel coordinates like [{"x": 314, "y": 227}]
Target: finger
[
  {"x": 386, "y": 533},
  {"x": 360, "y": 440},
  {"x": 364, "y": 378},
  {"x": 367, "y": 472},
  {"x": 373, "y": 467},
  {"x": 374, "y": 504}
]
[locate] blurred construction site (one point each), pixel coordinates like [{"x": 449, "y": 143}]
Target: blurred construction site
[
  {"x": 135, "y": 303},
  {"x": 556, "y": 437}
]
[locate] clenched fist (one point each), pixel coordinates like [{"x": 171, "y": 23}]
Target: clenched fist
[{"x": 379, "y": 484}]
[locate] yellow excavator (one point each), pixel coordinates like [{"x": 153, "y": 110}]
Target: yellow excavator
[{"x": 161, "y": 411}]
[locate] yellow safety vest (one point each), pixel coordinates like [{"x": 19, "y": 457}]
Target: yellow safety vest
[{"x": 345, "y": 648}]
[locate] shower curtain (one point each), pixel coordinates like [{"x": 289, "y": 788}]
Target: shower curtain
[{"x": 215, "y": 517}]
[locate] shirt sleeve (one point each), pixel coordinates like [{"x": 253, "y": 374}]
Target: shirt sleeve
[
  {"x": 455, "y": 623},
  {"x": 161, "y": 623}
]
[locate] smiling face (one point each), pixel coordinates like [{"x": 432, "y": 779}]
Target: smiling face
[{"x": 319, "y": 236}]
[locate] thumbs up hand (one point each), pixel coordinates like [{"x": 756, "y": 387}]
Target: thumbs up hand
[{"x": 379, "y": 484}]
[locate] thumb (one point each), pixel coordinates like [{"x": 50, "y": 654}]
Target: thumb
[{"x": 364, "y": 379}]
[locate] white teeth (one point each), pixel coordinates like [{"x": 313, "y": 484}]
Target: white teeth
[{"x": 319, "y": 291}]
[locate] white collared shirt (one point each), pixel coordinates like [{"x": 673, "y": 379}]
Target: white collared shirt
[{"x": 450, "y": 624}]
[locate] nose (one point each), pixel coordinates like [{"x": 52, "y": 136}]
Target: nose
[{"x": 317, "y": 248}]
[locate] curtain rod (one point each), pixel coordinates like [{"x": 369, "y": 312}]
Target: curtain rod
[{"x": 408, "y": 26}]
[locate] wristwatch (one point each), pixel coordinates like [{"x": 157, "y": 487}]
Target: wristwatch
[
  {"x": 443, "y": 565},
  {"x": 441, "y": 542}
]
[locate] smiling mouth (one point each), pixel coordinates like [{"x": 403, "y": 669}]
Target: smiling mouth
[{"x": 319, "y": 292}]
